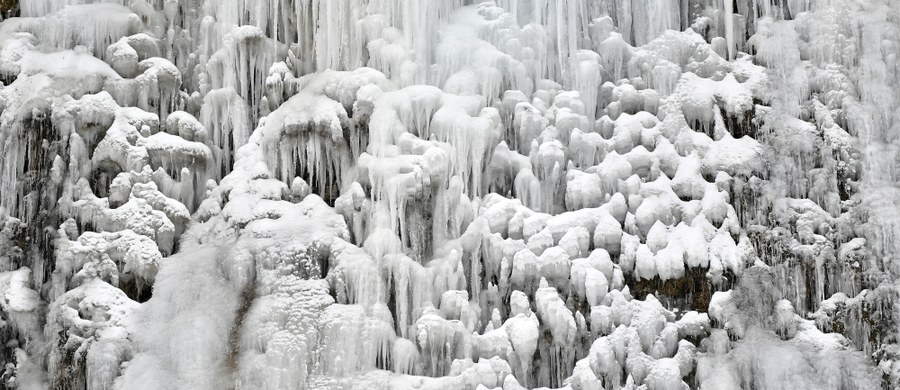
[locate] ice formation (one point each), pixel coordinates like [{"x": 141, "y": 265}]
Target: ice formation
[{"x": 413, "y": 194}]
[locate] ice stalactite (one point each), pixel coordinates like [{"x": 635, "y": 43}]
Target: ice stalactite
[
  {"x": 226, "y": 119},
  {"x": 243, "y": 64}
]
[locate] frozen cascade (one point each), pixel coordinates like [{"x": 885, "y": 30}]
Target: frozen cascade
[{"x": 398, "y": 194}]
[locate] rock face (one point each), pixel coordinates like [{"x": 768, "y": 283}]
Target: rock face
[{"x": 321, "y": 194}]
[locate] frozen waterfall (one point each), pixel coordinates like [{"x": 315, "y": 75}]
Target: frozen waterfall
[{"x": 450, "y": 194}]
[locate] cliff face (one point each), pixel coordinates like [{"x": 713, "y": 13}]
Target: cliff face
[
  {"x": 9, "y": 8},
  {"x": 300, "y": 194}
]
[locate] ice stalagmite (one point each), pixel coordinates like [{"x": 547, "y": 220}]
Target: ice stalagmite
[{"x": 410, "y": 194}]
